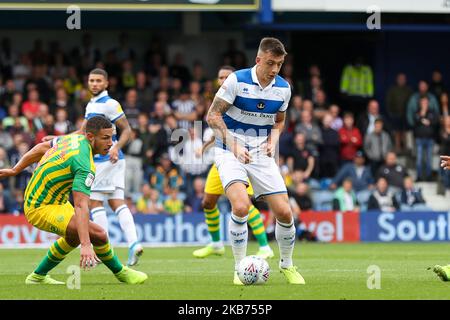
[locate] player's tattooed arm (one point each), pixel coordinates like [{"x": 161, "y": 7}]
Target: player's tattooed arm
[
  {"x": 215, "y": 121},
  {"x": 32, "y": 156}
]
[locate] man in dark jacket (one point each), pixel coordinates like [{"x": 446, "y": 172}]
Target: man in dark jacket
[
  {"x": 383, "y": 199},
  {"x": 411, "y": 197},
  {"x": 360, "y": 174},
  {"x": 392, "y": 171},
  {"x": 425, "y": 121}
]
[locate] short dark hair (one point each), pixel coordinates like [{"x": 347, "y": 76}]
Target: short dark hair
[
  {"x": 272, "y": 45},
  {"x": 100, "y": 72},
  {"x": 348, "y": 114},
  {"x": 97, "y": 123},
  {"x": 227, "y": 67}
]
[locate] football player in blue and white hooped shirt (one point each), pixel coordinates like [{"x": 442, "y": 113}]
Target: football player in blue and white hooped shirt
[
  {"x": 109, "y": 182},
  {"x": 247, "y": 116}
]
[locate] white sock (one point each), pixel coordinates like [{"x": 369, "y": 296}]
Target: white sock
[
  {"x": 238, "y": 237},
  {"x": 99, "y": 217},
  {"x": 127, "y": 224},
  {"x": 285, "y": 235}
]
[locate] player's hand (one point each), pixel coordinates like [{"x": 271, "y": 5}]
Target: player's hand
[
  {"x": 113, "y": 154},
  {"x": 445, "y": 162},
  {"x": 5, "y": 173},
  {"x": 198, "y": 152},
  {"x": 269, "y": 149},
  {"x": 48, "y": 138},
  {"x": 241, "y": 154},
  {"x": 88, "y": 259}
]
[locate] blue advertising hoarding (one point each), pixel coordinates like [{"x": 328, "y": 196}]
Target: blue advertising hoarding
[
  {"x": 404, "y": 226},
  {"x": 161, "y": 228}
]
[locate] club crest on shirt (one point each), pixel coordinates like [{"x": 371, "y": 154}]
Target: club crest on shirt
[{"x": 261, "y": 105}]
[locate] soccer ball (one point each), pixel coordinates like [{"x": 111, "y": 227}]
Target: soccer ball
[{"x": 253, "y": 270}]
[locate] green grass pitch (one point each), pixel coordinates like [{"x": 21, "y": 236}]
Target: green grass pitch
[{"x": 331, "y": 271}]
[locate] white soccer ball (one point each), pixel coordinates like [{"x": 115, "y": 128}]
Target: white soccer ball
[{"x": 253, "y": 270}]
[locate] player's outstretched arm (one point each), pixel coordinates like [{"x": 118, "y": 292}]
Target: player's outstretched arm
[
  {"x": 215, "y": 121},
  {"x": 87, "y": 256},
  {"x": 32, "y": 156},
  {"x": 445, "y": 162}
]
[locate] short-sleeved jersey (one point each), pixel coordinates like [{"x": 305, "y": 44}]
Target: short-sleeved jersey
[
  {"x": 106, "y": 106},
  {"x": 68, "y": 165},
  {"x": 254, "y": 109}
]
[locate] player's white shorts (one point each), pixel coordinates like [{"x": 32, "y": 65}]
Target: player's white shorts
[
  {"x": 119, "y": 193},
  {"x": 109, "y": 181},
  {"x": 262, "y": 172}
]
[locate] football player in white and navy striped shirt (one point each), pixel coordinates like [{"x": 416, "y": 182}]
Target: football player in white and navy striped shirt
[
  {"x": 109, "y": 182},
  {"x": 247, "y": 116}
]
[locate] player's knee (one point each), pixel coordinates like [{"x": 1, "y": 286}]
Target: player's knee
[
  {"x": 241, "y": 209},
  {"x": 100, "y": 237},
  {"x": 208, "y": 204},
  {"x": 284, "y": 215}
]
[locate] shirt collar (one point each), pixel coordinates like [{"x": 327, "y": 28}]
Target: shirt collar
[
  {"x": 101, "y": 95},
  {"x": 255, "y": 79}
]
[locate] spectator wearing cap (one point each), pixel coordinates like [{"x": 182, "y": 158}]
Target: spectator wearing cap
[
  {"x": 359, "y": 174},
  {"x": 392, "y": 171}
]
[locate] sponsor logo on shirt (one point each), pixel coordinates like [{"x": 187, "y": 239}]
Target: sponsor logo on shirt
[{"x": 89, "y": 180}]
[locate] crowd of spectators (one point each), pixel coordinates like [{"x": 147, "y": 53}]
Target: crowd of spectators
[{"x": 331, "y": 156}]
